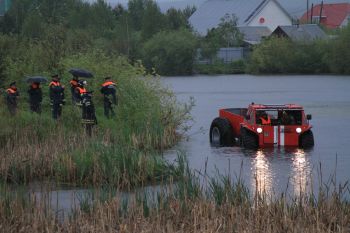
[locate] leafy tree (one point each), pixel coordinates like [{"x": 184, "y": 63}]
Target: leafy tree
[
  {"x": 281, "y": 55},
  {"x": 339, "y": 59},
  {"x": 2, "y": 68},
  {"x": 152, "y": 21},
  {"x": 136, "y": 11},
  {"x": 176, "y": 19},
  {"x": 171, "y": 52},
  {"x": 33, "y": 27},
  {"x": 229, "y": 34},
  {"x": 225, "y": 35},
  {"x": 188, "y": 11}
]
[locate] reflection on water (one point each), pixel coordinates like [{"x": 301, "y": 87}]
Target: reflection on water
[
  {"x": 301, "y": 173},
  {"x": 262, "y": 178},
  {"x": 298, "y": 169}
]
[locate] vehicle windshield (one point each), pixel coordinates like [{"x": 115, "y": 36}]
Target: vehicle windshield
[{"x": 279, "y": 117}]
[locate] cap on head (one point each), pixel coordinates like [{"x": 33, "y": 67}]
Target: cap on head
[
  {"x": 108, "y": 78},
  {"x": 55, "y": 77},
  {"x": 12, "y": 84}
]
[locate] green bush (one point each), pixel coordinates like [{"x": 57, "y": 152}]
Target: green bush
[
  {"x": 281, "y": 55},
  {"x": 340, "y": 53},
  {"x": 218, "y": 67},
  {"x": 148, "y": 119},
  {"x": 170, "y": 52}
]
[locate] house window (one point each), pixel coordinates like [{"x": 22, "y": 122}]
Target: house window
[{"x": 316, "y": 19}]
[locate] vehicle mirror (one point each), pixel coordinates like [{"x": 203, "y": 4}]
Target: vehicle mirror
[{"x": 309, "y": 117}]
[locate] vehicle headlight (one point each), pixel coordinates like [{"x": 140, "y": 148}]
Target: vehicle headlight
[
  {"x": 298, "y": 130},
  {"x": 259, "y": 130}
]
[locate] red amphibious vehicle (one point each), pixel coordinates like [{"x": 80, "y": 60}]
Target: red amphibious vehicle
[{"x": 262, "y": 126}]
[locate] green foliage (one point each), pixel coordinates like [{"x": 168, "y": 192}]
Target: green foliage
[
  {"x": 225, "y": 35},
  {"x": 340, "y": 53},
  {"x": 171, "y": 53},
  {"x": 123, "y": 151},
  {"x": 62, "y": 28},
  {"x": 175, "y": 19},
  {"x": 281, "y": 55},
  {"x": 152, "y": 20},
  {"x": 218, "y": 67}
]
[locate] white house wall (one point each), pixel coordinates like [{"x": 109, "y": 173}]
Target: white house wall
[
  {"x": 274, "y": 16},
  {"x": 346, "y": 21}
]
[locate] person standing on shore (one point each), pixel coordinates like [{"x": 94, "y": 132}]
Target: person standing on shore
[
  {"x": 109, "y": 89},
  {"x": 73, "y": 85},
  {"x": 56, "y": 97},
  {"x": 35, "y": 97},
  {"x": 79, "y": 91},
  {"x": 11, "y": 98}
]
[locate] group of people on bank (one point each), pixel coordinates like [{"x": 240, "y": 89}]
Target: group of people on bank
[{"x": 80, "y": 97}]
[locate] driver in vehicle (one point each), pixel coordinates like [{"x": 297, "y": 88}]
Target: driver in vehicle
[{"x": 265, "y": 119}]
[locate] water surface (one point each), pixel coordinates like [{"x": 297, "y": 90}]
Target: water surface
[{"x": 327, "y": 98}]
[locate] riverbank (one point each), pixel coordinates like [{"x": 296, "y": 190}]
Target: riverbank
[{"x": 123, "y": 151}]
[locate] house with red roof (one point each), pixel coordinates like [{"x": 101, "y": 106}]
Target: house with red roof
[{"x": 329, "y": 15}]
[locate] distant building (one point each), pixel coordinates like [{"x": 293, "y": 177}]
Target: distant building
[
  {"x": 4, "y": 6},
  {"x": 254, "y": 35},
  {"x": 329, "y": 15},
  {"x": 303, "y": 32},
  {"x": 267, "y": 13}
]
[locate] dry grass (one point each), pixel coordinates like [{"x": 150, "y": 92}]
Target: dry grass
[
  {"x": 184, "y": 207},
  {"x": 176, "y": 215}
]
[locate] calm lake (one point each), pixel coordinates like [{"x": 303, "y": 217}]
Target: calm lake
[{"x": 274, "y": 170}]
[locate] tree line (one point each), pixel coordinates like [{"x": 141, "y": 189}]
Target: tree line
[{"x": 49, "y": 30}]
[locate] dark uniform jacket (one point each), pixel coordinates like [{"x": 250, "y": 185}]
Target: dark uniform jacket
[
  {"x": 35, "y": 95},
  {"x": 56, "y": 93},
  {"x": 11, "y": 96},
  {"x": 109, "y": 90}
]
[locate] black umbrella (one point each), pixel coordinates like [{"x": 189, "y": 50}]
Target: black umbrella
[
  {"x": 36, "y": 79},
  {"x": 81, "y": 73}
]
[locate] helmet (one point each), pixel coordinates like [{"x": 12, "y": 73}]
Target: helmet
[{"x": 82, "y": 83}]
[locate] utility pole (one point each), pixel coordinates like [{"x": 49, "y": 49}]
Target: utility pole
[
  {"x": 312, "y": 12},
  {"x": 307, "y": 11},
  {"x": 321, "y": 12}
]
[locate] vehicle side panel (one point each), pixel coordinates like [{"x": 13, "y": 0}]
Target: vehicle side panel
[{"x": 235, "y": 116}]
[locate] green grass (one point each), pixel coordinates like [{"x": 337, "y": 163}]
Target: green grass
[{"x": 123, "y": 151}]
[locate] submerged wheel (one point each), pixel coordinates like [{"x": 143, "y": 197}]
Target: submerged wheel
[
  {"x": 221, "y": 133},
  {"x": 248, "y": 139},
  {"x": 307, "y": 140}
]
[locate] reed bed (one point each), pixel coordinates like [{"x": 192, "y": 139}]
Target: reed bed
[
  {"x": 123, "y": 152},
  {"x": 226, "y": 206}
]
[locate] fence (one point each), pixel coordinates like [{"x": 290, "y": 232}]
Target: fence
[{"x": 226, "y": 55}]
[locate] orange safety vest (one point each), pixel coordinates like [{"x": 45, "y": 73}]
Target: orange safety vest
[
  {"x": 108, "y": 83},
  {"x": 11, "y": 91},
  {"x": 265, "y": 122},
  {"x": 81, "y": 90},
  {"x": 73, "y": 83},
  {"x": 54, "y": 83}
]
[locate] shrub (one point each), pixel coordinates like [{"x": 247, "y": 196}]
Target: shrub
[{"x": 170, "y": 52}]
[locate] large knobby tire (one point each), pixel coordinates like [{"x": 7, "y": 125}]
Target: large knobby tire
[
  {"x": 248, "y": 139},
  {"x": 307, "y": 140},
  {"x": 221, "y": 133}
]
